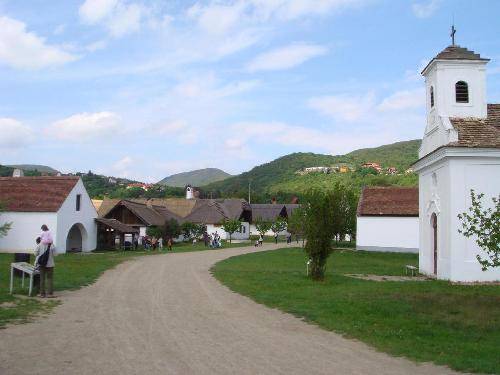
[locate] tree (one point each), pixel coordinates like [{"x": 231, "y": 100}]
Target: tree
[
  {"x": 484, "y": 225},
  {"x": 172, "y": 229},
  {"x": 4, "y": 228},
  {"x": 154, "y": 231},
  {"x": 191, "y": 230},
  {"x": 230, "y": 226},
  {"x": 350, "y": 214},
  {"x": 297, "y": 223},
  {"x": 262, "y": 226},
  {"x": 279, "y": 225}
]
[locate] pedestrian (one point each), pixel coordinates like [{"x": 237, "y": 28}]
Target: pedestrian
[
  {"x": 160, "y": 243},
  {"x": 46, "y": 236},
  {"x": 136, "y": 241},
  {"x": 261, "y": 240},
  {"x": 44, "y": 262},
  {"x": 205, "y": 238},
  {"x": 169, "y": 244},
  {"x": 154, "y": 242}
]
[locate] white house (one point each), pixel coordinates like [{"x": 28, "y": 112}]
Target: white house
[
  {"x": 460, "y": 151},
  {"x": 62, "y": 203},
  {"x": 387, "y": 219}
]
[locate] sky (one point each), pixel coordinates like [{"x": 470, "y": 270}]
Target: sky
[{"x": 143, "y": 88}]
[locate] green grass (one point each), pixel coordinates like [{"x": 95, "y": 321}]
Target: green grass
[
  {"x": 72, "y": 271},
  {"x": 454, "y": 325}
]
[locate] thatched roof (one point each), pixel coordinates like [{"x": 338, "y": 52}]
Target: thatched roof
[
  {"x": 267, "y": 212},
  {"x": 117, "y": 225}
]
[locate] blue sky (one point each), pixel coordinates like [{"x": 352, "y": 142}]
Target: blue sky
[{"x": 144, "y": 89}]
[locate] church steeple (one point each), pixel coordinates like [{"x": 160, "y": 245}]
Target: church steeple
[{"x": 455, "y": 82}]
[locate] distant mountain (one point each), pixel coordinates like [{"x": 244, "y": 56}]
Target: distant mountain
[
  {"x": 278, "y": 176},
  {"x": 199, "y": 177},
  {"x": 34, "y": 167}
]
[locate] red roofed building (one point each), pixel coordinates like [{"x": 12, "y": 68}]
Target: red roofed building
[
  {"x": 387, "y": 219},
  {"x": 62, "y": 203}
]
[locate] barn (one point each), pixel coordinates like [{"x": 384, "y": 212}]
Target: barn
[
  {"x": 62, "y": 203},
  {"x": 387, "y": 219}
]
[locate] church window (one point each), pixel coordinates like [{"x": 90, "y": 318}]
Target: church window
[
  {"x": 462, "y": 92},
  {"x": 432, "y": 97}
]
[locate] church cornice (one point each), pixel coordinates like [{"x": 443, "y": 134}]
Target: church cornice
[{"x": 446, "y": 151}]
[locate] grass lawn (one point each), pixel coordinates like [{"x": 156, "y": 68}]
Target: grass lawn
[
  {"x": 454, "y": 325},
  {"x": 72, "y": 272}
]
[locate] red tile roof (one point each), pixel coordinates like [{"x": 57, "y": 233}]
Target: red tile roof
[
  {"x": 388, "y": 201},
  {"x": 473, "y": 132},
  {"x": 35, "y": 194}
]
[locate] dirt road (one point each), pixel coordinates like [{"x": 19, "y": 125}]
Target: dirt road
[{"x": 167, "y": 315}]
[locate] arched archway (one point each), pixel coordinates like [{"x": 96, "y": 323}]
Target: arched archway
[
  {"x": 76, "y": 238},
  {"x": 434, "y": 234}
]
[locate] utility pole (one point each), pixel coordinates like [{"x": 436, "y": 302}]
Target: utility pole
[{"x": 249, "y": 192}]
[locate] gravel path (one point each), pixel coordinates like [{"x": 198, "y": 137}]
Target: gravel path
[{"x": 167, "y": 315}]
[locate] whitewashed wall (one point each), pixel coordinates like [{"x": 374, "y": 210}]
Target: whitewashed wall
[
  {"x": 386, "y": 233},
  {"x": 25, "y": 229},
  {"x": 447, "y": 194},
  {"x": 67, "y": 216},
  {"x": 244, "y": 235}
]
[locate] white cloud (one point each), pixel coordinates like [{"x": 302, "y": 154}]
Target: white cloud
[
  {"x": 96, "y": 46},
  {"x": 217, "y": 18},
  {"x": 286, "y": 57},
  {"x": 170, "y": 128},
  {"x": 22, "y": 49},
  {"x": 93, "y": 11},
  {"x": 343, "y": 107},
  {"x": 85, "y": 126},
  {"x": 119, "y": 17},
  {"x": 425, "y": 9},
  {"x": 403, "y": 100},
  {"x": 14, "y": 134},
  {"x": 126, "y": 20}
]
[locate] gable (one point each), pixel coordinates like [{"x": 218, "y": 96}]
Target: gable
[{"x": 35, "y": 194}]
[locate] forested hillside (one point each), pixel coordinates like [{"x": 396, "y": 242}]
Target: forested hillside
[
  {"x": 279, "y": 178},
  {"x": 198, "y": 177}
]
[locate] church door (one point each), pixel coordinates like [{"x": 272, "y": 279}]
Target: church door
[{"x": 434, "y": 241}]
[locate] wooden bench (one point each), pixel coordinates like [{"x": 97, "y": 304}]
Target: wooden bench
[
  {"x": 412, "y": 269},
  {"x": 24, "y": 268}
]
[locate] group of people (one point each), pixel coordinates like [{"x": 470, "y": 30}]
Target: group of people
[
  {"x": 212, "y": 240},
  {"x": 151, "y": 243}
]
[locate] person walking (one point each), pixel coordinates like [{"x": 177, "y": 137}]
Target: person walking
[
  {"x": 44, "y": 262},
  {"x": 160, "y": 243},
  {"x": 261, "y": 240},
  {"x": 169, "y": 244}
]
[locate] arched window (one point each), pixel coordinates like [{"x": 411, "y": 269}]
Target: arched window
[
  {"x": 432, "y": 96},
  {"x": 462, "y": 92}
]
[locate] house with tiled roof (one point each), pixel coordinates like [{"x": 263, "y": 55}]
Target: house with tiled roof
[
  {"x": 387, "y": 219},
  {"x": 460, "y": 151},
  {"x": 62, "y": 203}
]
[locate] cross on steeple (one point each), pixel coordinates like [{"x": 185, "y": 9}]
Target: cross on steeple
[{"x": 453, "y": 31}]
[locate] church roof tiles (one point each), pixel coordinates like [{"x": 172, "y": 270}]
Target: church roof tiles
[{"x": 474, "y": 132}]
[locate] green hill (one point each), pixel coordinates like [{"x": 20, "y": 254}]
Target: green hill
[
  {"x": 34, "y": 167},
  {"x": 198, "y": 177},
  {"x": 279, "y": 178}
]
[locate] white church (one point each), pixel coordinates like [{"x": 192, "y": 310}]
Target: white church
[{"x": 460, "y": 151}]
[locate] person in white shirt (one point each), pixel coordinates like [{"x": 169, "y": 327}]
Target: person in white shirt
[{"x": 46, "y": 270}]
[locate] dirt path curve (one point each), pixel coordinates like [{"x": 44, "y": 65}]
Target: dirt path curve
[{"x": 167, "y": 315}]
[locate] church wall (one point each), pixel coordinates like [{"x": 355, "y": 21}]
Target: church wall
[
  {"x": 482, "y": 175},
  {"x": 434, "y": 182}
]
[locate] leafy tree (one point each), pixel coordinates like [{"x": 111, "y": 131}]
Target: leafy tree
[
  {"x": 279, "y": 225},
  {"x": 484, "y": 225},
  {"x": 297, "y": 223},
  {"x": 154, "y": 231},
  {"x": 319, "y": 230},
  {"x": 4, "y": 228},
  {"x": 350, "y": 214},
  {"x": 191, "y": 230},
  {"x": 262, "y": 226},
  {"x": 172, "y": 229},
  {"x": 230, "y": 226}
]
